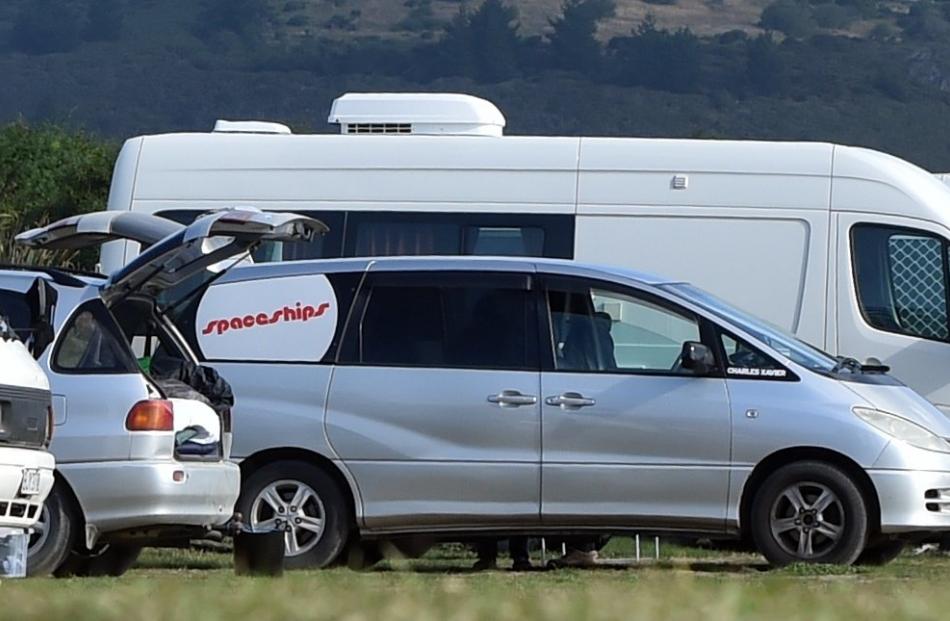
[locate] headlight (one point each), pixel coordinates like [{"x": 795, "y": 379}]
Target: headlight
[{"x": 903, "y": 429}]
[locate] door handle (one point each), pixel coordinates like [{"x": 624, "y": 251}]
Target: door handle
[
  {"x": 512, "y": 399},
  {"x": 570, "y": 401}
]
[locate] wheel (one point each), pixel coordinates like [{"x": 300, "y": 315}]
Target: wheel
[
  {"x": 53, "y": 535},
  {"x": 880, "y": 553},
  {"x": 113, "y": 560},
  {"x": 809, "y": 512},
  {"x": 303, "y": 501}
]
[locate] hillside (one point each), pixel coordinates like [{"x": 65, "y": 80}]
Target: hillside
[{"x": 880, "y": 77}]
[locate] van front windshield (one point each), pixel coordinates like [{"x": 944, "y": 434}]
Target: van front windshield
[{"x": 785, "y": 343}]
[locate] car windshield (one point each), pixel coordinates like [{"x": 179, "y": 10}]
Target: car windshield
[{"x": 778, "y": 339}]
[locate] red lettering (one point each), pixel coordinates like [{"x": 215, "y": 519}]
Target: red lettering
[{"x": 300, "y": 312}]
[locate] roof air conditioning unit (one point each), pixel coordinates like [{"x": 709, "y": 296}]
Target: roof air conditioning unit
[{"x": 428, "y": 114}]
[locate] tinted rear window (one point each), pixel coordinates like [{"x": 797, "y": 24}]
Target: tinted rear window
[{"x": 15, "y": 308}]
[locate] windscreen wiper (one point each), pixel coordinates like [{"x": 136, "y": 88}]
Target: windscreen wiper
[{"x": 873, "y": 365}]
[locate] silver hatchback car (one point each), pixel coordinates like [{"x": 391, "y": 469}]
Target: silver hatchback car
[
  {"x": 143, "y": 459},
  {"x": 452, "y": 398}
]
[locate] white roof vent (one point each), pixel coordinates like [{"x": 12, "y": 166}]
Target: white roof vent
[
  {"x": 429, "y": 114},
  {"x": 250, "y": 127}
]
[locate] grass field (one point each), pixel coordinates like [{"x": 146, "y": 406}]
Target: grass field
[{"x": 685, "y": 584}]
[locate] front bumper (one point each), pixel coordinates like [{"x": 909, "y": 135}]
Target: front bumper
[
  {"x": 913, "y": 500},
  {"x": 16, "y": 509},
  {"x": 118, "y": 496}
]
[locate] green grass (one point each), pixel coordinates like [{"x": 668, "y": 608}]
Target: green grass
[{"x": 684, "y": 584}]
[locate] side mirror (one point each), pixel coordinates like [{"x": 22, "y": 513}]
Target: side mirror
[{"x": 697, "y": 358}]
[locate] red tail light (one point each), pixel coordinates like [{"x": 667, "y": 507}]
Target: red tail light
[{"x": 151, "y": 415}]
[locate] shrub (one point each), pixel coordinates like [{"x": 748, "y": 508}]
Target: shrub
[{"x": 790, "y": 17}]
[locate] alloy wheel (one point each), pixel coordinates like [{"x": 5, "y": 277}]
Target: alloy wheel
[
  {"x": 294, "y": 508},
  {"x": 807, "y": 520}
]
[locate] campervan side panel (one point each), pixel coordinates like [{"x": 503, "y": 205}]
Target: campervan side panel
[
  {"x": 771, "y": 265},
  {"x": 366, "y": 169},
  {"x": 616, "y": 173}
]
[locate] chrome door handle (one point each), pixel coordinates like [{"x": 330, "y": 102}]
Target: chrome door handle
[
  {"x": 570, "y": 401},
  {"x": 512, "y": 399}
]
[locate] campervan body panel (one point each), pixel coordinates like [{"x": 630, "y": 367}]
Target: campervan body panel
[
  {"x": 766, "y": 225},
  {"x": 758, "y": 207}
]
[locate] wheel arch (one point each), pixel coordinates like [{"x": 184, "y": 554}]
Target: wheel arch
[
  {"x": 787, "y": 456},
  {"x": 258, "y": 460}
]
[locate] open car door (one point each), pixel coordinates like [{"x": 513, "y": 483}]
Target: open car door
[{"x": 183, "y": 254}]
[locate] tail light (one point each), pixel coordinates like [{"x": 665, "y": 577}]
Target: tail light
[
  {"x": 151, "y": 415},
  {"x": 49, "y": 424}
]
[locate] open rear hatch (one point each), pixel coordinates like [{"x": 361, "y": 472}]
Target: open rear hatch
[
  {"x": 198, "y": 253},
  {"x": 178, "y": 263}
]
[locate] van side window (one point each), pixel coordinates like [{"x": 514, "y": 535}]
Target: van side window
[
  {"x": 743, "y": 361},
  {"x": 466, "y": 320},
  {"x": 901, "y": 277},
  {"x": 375, "y": 234},
  {"x": 92, "y": 343},
  {"x": 598, "y": 330}
]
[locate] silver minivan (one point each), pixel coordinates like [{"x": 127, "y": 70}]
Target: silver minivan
[
  {"x": 452, "y": 398},
  {"x": 143, "y": 457}
]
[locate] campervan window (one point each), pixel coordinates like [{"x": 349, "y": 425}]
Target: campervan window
[
  {"x": 901, "y": 277},
  {"x": 392, "y": 233}
]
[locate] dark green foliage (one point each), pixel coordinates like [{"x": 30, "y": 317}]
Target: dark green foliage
[
  {"x": 833, "y": 16},
  {"x": 244, "y": 18},
  {"x": 47, "y": 173},
  {"x": 483, "y": 44},
  {"x": 573, "y": 41},
  {"x": 891, "y": 84},
  {"x": 792, "y": 18},
  {"x": 104, "y": 20},
  {"x": 45, "y": 26},
  {"x": 926, "y": 21},
  {"x": 658, "y": 59},
  {"x": 765, "y": 66},
  {"x": 420, "y": 17}
]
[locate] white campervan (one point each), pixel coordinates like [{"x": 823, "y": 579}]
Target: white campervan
[{"x": 847, "y": 247}]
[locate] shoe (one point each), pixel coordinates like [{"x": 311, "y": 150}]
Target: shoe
[
  {"x": 484, "y": 564},
  {"x": 521, "y": 564},
  {"x": 577, "y": 558}
]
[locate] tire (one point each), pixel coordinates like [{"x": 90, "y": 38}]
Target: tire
[
  {"x": 826, "y": 521},
  {"x": 50, "y": 547},
  {"x": 114, "y": 560},
  {"x": 880, "y": 553},
  {"x": 307, "y": 543}
]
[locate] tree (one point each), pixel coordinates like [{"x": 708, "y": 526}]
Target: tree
[
  {"x": 245, "y": 18},
  {"x": 790, "y": 17},
  {"x": 574, "y": 45},
  {"x": 765, "y": 66},
  {"x": 48, "y": 173},
  {"x": 104, "y": 20},
  {"x": 669, "y": 61},
  {"x": 484, "y": 44},
  {"x": 44, "y": 27}
]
